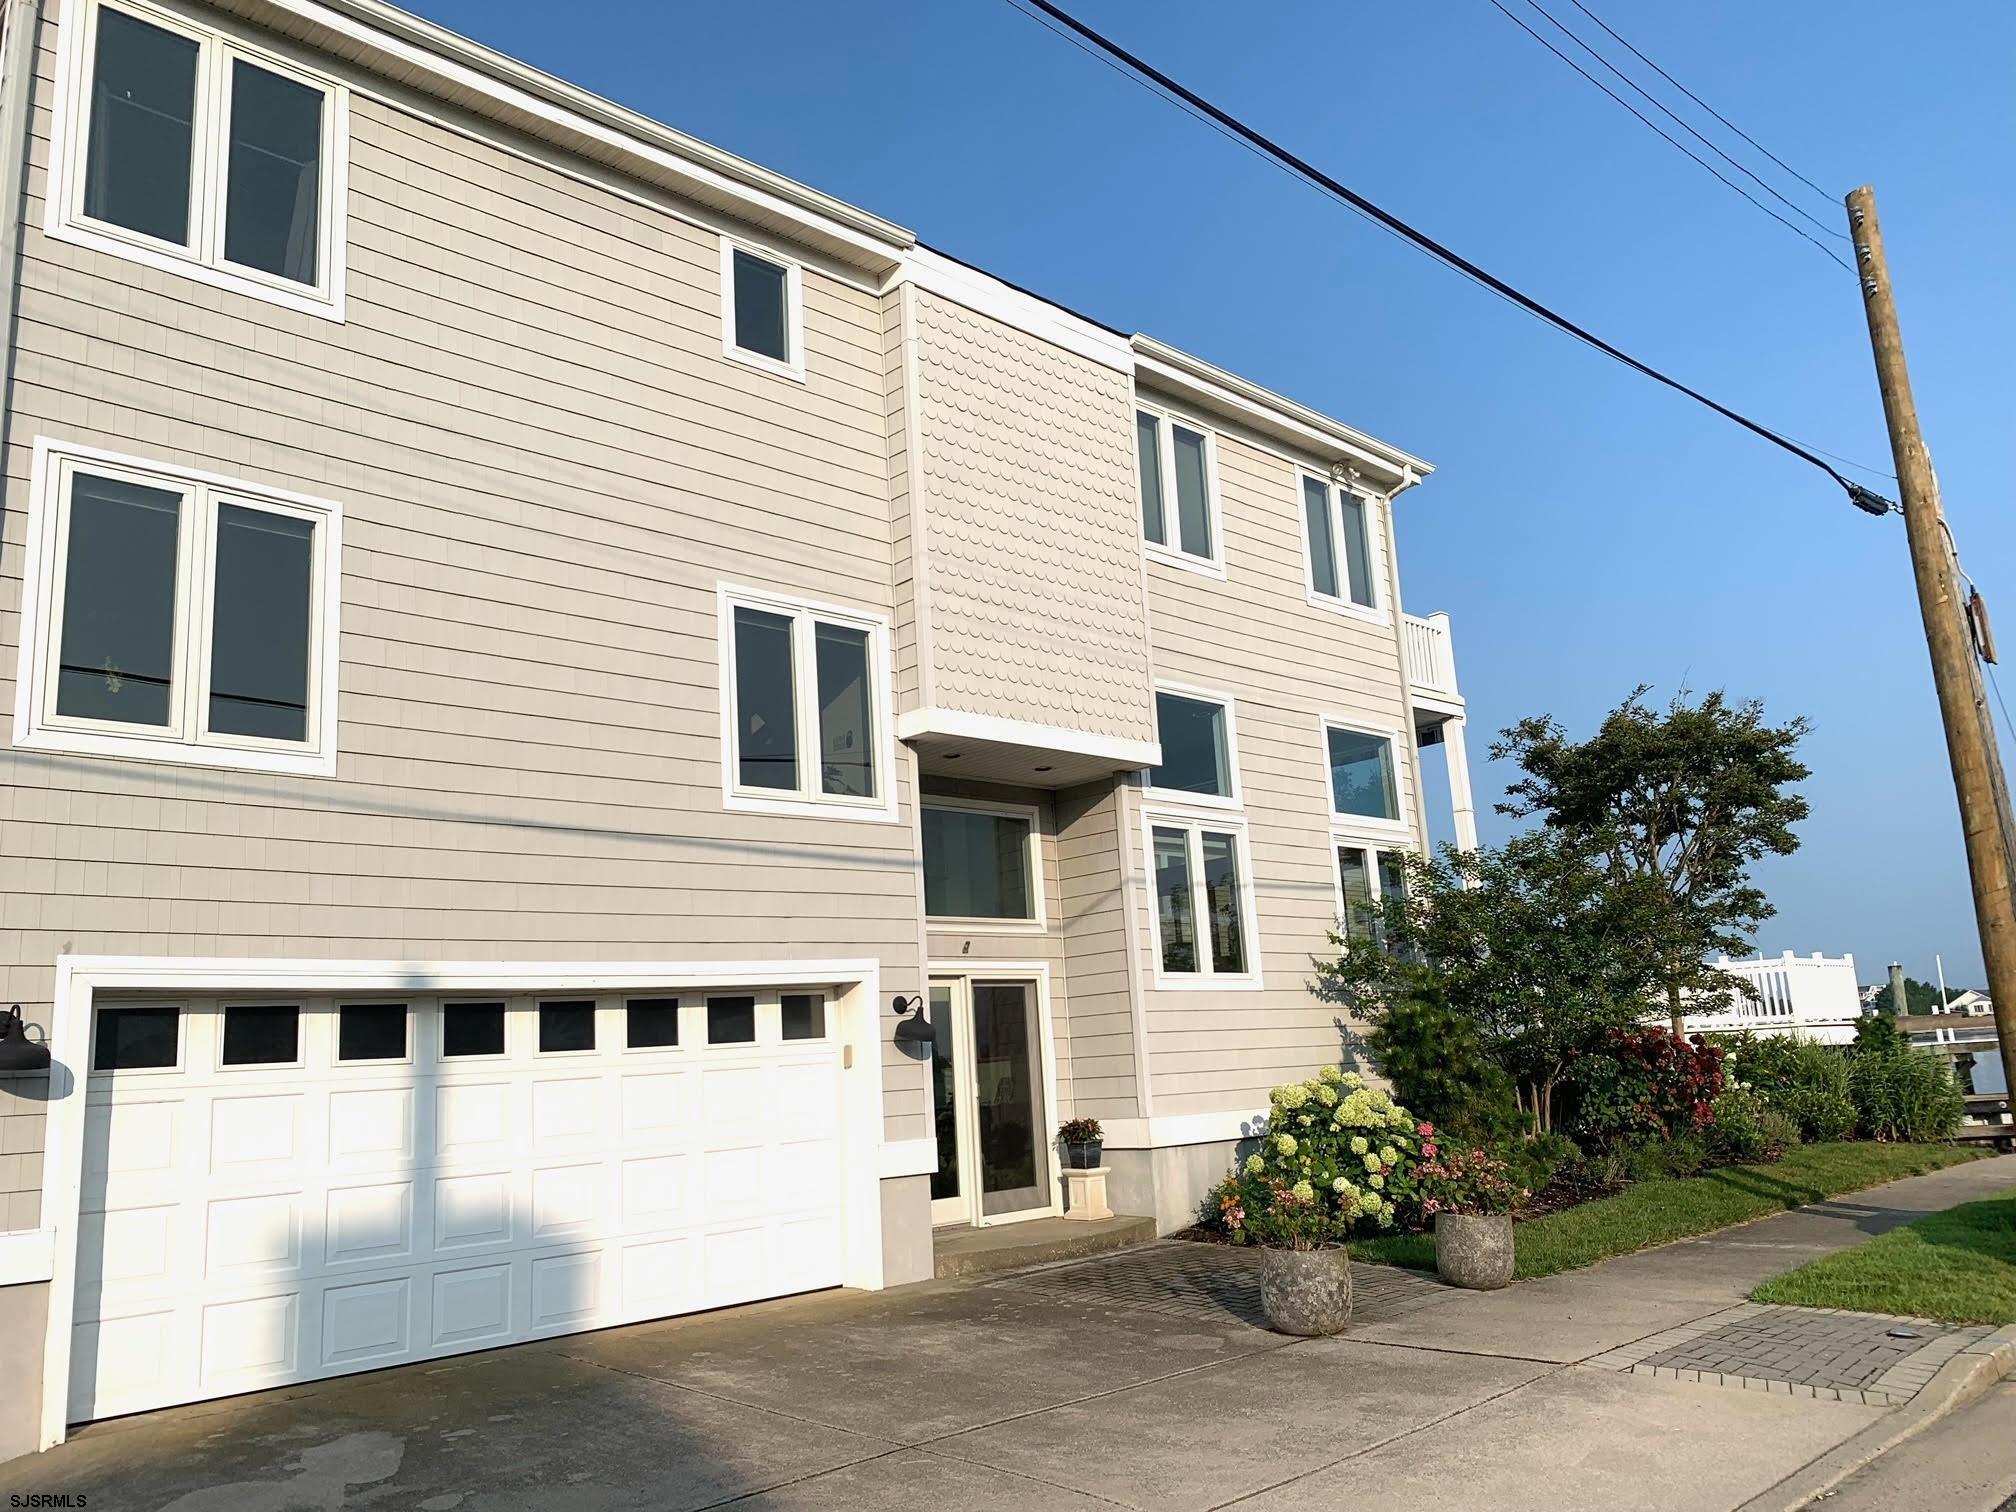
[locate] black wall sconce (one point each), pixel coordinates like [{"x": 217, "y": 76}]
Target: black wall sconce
[
  {"x": 916, "y": 1029},
  {"x": 20, "y": 1053}
]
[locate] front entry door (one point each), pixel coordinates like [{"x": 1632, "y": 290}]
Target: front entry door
[{"x": 988, "y": 1096}]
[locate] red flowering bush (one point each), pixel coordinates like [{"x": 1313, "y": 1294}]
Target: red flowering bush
[
  {"x": 1464, "y": 1181},
  {"x": 1645, "y": 1083}
]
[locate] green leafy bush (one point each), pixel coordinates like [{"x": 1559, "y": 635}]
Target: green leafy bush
[
  {"x": 1661, "y": 1159},
  {"x": 1781, "y": 1135},
  {"x": 1905, "y": 1094},
  {"x": 1540, "y": 1160},
  {"x": 1645, "y": 1083},
  {"x": 1748, "y": 1131},
  {"x": 1805, "y": 1081},
  {"x": 1431, "y": 1056}
]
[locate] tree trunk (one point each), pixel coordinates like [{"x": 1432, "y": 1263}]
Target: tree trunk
[{"x": 1674, "y": 1007}]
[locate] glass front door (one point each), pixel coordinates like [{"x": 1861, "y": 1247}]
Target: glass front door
[{"x": 990, "y": 1102}]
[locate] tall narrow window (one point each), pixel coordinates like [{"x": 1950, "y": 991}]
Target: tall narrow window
[
  {"x": 1174, "y": 901},
  {"x": 1175, "y": 461},
  {"x": 766, "y": 705},
  {"x": 117, "y": 656},
  {"x": 1337, "y": 526},
  {"x": 1362, "y": 780},
  {"x": 138, "y": 165},
  {"x": 1221, "y": 896},
  {"x": 846, "y": 724},
  {"x": 1196, "y": 746},
  {"x": 262, "y": 624},
  {"x": 1203, "y": 917},
  {"x": 1367, "y": 880},
  {"x": 273, "y": 199},
  {"x": 1322, "y": 538},
  {"x": 762, "y": 316}
]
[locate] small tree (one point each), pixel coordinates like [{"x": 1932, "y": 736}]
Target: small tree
[
  {"x": 1919, "y": 997},
  {"x": 1683, "y": 800},
  {"x": 1538, "y": 943}
]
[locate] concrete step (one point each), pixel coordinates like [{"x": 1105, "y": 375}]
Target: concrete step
[{"x": 968, "y": 1251}]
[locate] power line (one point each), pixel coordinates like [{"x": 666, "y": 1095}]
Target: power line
[
  {"x": 1685, "y": 125},
  {"x": 1703, "y": 103},
  {"x": 1670, "y": 139},
  {"x": 1230, "y": 125}
]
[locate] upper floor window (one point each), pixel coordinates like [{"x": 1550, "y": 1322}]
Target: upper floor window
[
  {"x": 1179, "y": 510},
  {"x": 804, "y": 707},
  {"x": 979, "y": 862},
  {"x": 762, "y": 319},
  {"x": 173, "y": 614},
  {"x": 1203, "y": 918},
  {"x": 1367, "y": 879},
  {"x": 1195, "y": 731},
  {"x": 1337, "y": 532},
  {"x": 184, "y": 148},
  {"x": 1363, "y": 782}
]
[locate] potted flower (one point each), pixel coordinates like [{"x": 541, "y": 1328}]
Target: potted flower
[
  {"x": 1305, "y": 1271},
  {"x": 1471, "y": 1196},
  {"x": 1083, "y": 1140}
]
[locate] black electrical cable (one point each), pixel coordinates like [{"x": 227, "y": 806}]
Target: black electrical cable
[{"x": 1861, "y": 497}]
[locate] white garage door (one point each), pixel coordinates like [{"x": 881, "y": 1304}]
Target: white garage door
[{"x": 281, "y": 1189}]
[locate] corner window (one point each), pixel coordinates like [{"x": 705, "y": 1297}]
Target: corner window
[
  {"x": 175, "y": 615},
  {"x": 1195, "y": 731},
  {"x": 1338, "y": 535},
  {"x": 1204, "y": 927},
  {"x": 188, "y": 149},
  {"x": 1363, "y": 784},
  {"x": 1178, "y": 506},
  {"x": 762, "y": 317},
  {"x": 805, "y": 707},
  {"x": 979, "y": 862},
  {"x": 1367, "y": 878}
]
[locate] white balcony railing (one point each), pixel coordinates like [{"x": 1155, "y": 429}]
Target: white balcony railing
[{"x": 1431, "y": 663}]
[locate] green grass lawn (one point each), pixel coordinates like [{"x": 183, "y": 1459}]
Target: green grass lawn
[
  {"x": 1657, "y": 1212},
  {"x": 1958, "y": 1266}
]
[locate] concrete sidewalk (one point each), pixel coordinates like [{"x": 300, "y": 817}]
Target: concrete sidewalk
[{"x": 1038, "y": 1391}]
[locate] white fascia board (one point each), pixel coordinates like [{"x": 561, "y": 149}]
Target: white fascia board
[
  {"x": 415, "y": 52},
  {"x": 1029, "y": 313},
  {"x": 27, "y": 1255},
  {"x": 1184, "y": 1129},
  {"x": 909, "y": 1157},
  {"x": 1192, "y": 378},
  {"x": 957, "y": 724}
]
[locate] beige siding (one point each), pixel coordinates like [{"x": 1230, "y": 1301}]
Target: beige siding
[
  {"x": 1091, "y": 851},
  {"x": 546, "y": 465},
  {"x": 1286, "y": 664},
  {"x": 903, "y": 536},
  {"x": 1032, "y": 530}
]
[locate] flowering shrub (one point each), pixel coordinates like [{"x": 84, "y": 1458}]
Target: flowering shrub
[
  {"x": 1332, "y": 1142},
  {"x": 1080, "y": 1131},
  {"x": 1465, "y": 1181},
  {"x": 1645, "y": 1082}
]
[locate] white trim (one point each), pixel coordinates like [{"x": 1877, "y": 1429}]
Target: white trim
[
  {"x": 183, "y": 742},
  {"x": 806, "y": 802},
  {"x": 909, "y": 1157},
  {"x": 203, "y": 259},
  {"x": 995, "y": 970},
  {"x": 1039, "y": 919},
  {"x": 1371, "y": 824},
  {"x": 1170, "y": 552},
  {"x": 27, "y": 1255},
  {"x": 1374, "y": 613},
  {"x": 1374, "y": 847},
  {"x": 1183, "y": 1129},
  {"x": 957, "y": 724},
  {"x": 793, "y": 367},
  {"x": 1195, "y": 823},
  {"x": 857, "y": 1006},
  {"x": 1030, "y": 314},
  {"x": 1228, "y": 705}
]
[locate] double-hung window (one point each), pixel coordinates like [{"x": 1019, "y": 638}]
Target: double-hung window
[
  {"x": 183, "y": 147},
  {"x": 1364, "y": 784},
  {"x": 1179, "y": 510},
  {"x": 805, "y": 707},
  {"x": 1195, "y": 732},
  {"x": 762, "y": 310},
  {"x": 1203, "y": 919},
  {"x": 980, "y": 862},
  {"x": 1337, "y": 530},
  {"x": 1368, "y": 878},
  {"x": 177, "y": 615}
]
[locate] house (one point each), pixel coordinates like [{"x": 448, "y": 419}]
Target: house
[
  {"x": 1814, "y": 997},
  {"x": 1973, "y": 1003},
  {"x": 540, "y": 645}
]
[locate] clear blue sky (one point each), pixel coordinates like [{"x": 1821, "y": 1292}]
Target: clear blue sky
[{"x": 1587, "y": 530}]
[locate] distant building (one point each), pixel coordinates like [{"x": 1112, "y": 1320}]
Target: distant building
[
  {"x": 1814, "y": 997},
  {"x": 1974, "y": 1003},
  {"x": 1869, "y": 995}
]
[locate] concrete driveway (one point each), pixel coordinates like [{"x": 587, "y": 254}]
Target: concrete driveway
[{"x": 1137, "y": 1379}]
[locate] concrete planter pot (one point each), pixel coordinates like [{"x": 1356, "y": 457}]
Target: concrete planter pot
[
  {"x": 1083, "y": 1154},
  {"x": 1306, "y": 1292},
  {"x": 1474, "y": 1249}
]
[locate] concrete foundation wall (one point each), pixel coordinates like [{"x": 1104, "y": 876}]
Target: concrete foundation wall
[
  {"x": 24, "y": 1314},
  {"x": 906, "y": 1230},
  {"x": 1168, "y": 1184}
]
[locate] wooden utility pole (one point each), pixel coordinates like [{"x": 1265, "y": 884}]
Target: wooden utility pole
[{"x": 1963, "y": 705}]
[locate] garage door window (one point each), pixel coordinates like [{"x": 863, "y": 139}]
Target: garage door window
[
  {"x": 565, "y": 1027},
  {"x": 137, "y": 1039},
  {"x": 731, "y": 1021},
  {"x": 371, "y": 1032},
  {"x": 472, "y": 1029},
  {"x": 651, "y": 1023},
  {"x": 262, "y": 1036},
  {"x": 804, "y": 1015}
]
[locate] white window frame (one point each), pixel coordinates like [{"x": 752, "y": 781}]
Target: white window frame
[
  {"x": 187, "y": 740},
  {"x": 1375, "y": 847},
  {"x": 1367, "y": 824},
  {"x": 1235, "y": 800},
  {"x": 807, "y": 801},
  {"x": 1374, "y": 613},
  {"x": 1171, "y": 551},
  {"x": 203, "y": 260},
  {"x": 794, "y": 310},
  {"x": 982, "y": 924},
  {"x": 1194, "y": 823}
]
